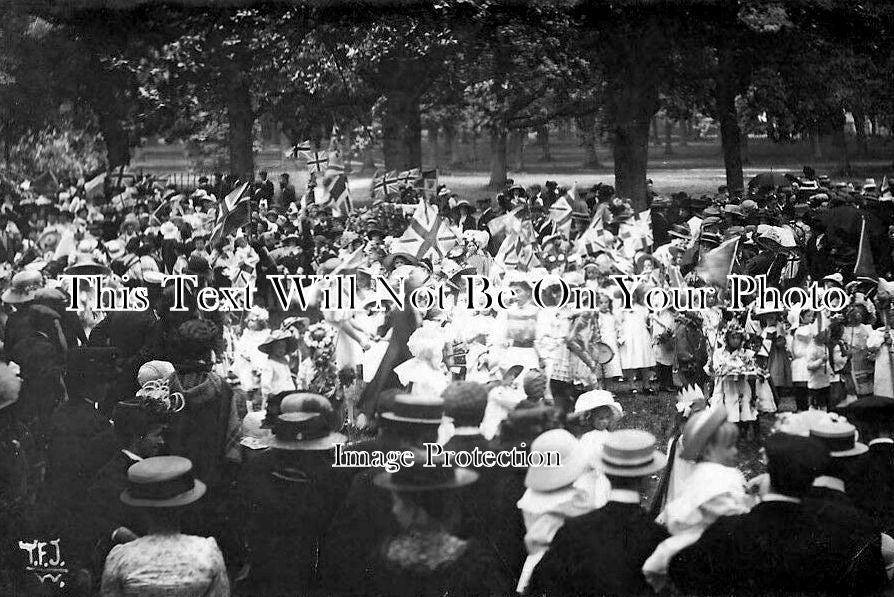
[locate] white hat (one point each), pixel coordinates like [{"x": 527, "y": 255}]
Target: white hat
[
  {"x": 594, "y": 399},
  {"x": 154, "y": 370},
  {"x": 573, "y": 461}
]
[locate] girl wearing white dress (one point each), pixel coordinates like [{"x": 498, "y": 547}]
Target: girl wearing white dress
[
  {"x": 731, "y": 388},
  {"x": 608, "y": 334},
  {"x": 715, "y": 488},
  {"x": 276, "y": 375},
  {"x": 803, "y": 331},
  {"x": 637, "y": 355}
]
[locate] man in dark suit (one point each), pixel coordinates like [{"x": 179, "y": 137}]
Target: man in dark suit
[
  {"x": 263, "y": 188},
  {"x": 782, "y": 546},
  {"x": 287, "y": 195},
  {"x": 489, "y": 511},
  {"x": 602, "y": 553},
  {"x": 487, "y": 213},
  {"x": 872, "y": 483}
]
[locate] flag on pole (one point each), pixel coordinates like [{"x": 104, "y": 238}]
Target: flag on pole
[
  {"x": 317, "y": 161},
  {"x": 560, "y": 213},
  {"x": 593, "y": 238},
  {"x": 885, "y": 189},
  {"x": 408, "y": 177},
  {"x": 865, "y": 265},
  {"x": 427, "y": 233},
  {"x": 427, "y": 181},
  {"x": 505, "y": 223},
  {"x": 717, "y": 264},
  {"x": 353, "y": 261},
  {"x": 233, "y": 212},
  {"x": 636, "y": 233},
  {"x": 336, "y": 194},
  {"x": 392, "y": 179},
  {"x": 517, "y": 249},
  {"x": 298, "y": 149}
]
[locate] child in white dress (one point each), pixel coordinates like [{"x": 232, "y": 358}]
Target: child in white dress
[
  {"x": 732, "y": 389},
  {"x": 553, "y": 495},
  {"x": 715, "y": 488}
]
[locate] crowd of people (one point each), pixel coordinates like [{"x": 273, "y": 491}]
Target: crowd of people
[{"x": 186, "y": 452}]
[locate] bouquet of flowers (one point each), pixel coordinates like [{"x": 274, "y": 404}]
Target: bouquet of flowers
[
  {"x": 738, "y": 363},
  {"x": 320, "y": 339}
]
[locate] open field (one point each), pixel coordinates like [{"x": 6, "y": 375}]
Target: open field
[{"x": 696, "y": 168}]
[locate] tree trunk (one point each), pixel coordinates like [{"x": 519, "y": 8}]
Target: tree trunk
[
  {"x": 401, "y": 130},
  {"x": 369, "y": 162},
  {"x": 589, "y": 135},
  {"x": 631, "y": 154},
  {"x": 860, "y": 130},
  {"x": 684, "y": 132},
  {"x": 241, "y": 120},
  {"x": 844, "y": 160},
  {"x": 433, "y": 141},
  {"x": 518, "y": 151},
  {"x": 668, "y": 132},
  {"x": 656, "y": 138},
  {"x": 543, "y": 141},
  {"x": 746, "y": 152},
  {"x": 449, "y": 144},
  {"x": 816, "y": 147},
  {"x": 497, "y": 161},
  {"x": 725, "y": 100}
]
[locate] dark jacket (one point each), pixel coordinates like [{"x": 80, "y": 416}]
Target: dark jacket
[
  {"x": 489, "y": 511},
  {"x": 781, "y": 548},
  {"x": 872, "y": 484},
  {"x": 600, "y": 553}
]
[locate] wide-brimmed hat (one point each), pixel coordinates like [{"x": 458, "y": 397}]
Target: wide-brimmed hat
[
  {"x": 304, "y": 431},
  {"x": 162, "y": 482},
  {"x": 631, "y": 453},
  {"x": 115, "y": 249},
  {"x": 594, "y": 399},
  {"x": 22, "y": 287},
  {"x": 699, "y": 429},
  {"x": 419, "y": 477},
  {"x": 276, "y": 336},
  {"x": 416, "y": 410},
  {"x": 388, "y": 261},
  {"x": 680, "y": 231},
  {"x": 710, "y": 238},
  {"x": 86, "y": 265},
  {"x": 573, "y": 461},
  {"x": 840, "y": 437},
  {"x": 836, "y": 278}
]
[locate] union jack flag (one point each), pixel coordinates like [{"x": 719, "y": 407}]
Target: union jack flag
[
  {"x": 233, "y": 212},
  {"x": 317, "y": 161},
  {"x": 407, "y": 176},
  {"x": 336, "y": 194},
  {"x": 427, "y": 233},
  {"x": 298, "y": 149}
]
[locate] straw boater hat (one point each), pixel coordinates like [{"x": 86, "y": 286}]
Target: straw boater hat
[
  {"x": 416, "y": 410},
  {"x": 276, "y": 336},
  {"x": 115, "y": 249},
  {"x": 594, "y": 399},
  {"x": 162, "y": 482},
  {"x": 573, "y": 461},
  {"x": 420, "y": 478},
  {"x": 699, "y": 429},
  {"x": 840, "y": 437},
  {"x": 22, "y": 287},
  {"x": 631, "y": 453},
  {"x": 304, "y": 431}
]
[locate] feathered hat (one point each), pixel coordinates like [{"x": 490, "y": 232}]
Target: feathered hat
[{"x": 691, "y": 400}]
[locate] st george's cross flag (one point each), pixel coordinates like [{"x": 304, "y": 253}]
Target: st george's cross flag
[
  {"x": 427, "y": 233},
  {"x": 233, "y": 212},
  {"x": 560, "y": 213},
  {"x": 317, "y": 161}
]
